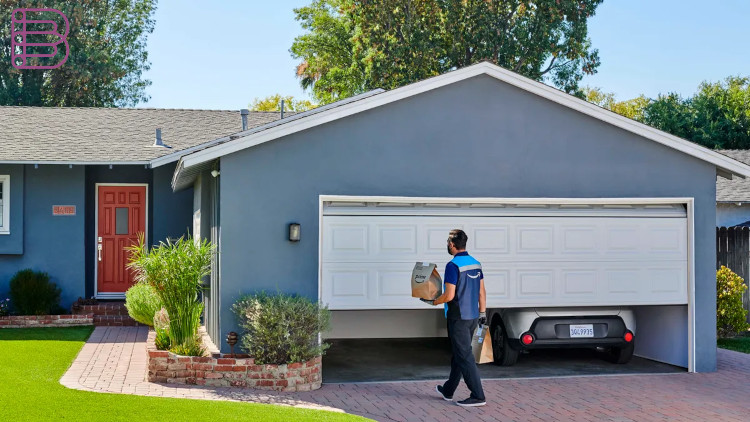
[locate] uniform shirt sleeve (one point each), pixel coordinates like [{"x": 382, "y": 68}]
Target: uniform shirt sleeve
[{"x": 451, "y": 274}]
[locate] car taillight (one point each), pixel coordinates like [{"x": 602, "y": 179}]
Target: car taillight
[
  {"x": 628, "y": 337},
  {"x": 527, "y": 339}
]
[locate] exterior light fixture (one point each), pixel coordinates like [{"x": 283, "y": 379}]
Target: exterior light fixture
[
  {"x": 294, "y": 232},
  {"x": 215, "y": 173},
  {"x": 231, "y": 341}
]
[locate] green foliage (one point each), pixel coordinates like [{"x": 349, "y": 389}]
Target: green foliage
[
  {"x": 193, "y": 348},
  {"x": 32, "y": 293},
  {"x": 175, "y": 270},
  {"x": 351, "y": 46},
  {"x": 4, "y": 306},
  {"x": 161, "y": 326},
  {"x": 273, "y": 103},
  {"x": 730, "y": 314},
  {"x": 107, "y": 58},
  {"x": 632, "y": 108},
  {"x": 281, "y": 328},
  {"x": 142, "y": 303}
]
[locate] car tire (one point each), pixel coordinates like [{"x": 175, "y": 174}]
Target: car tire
[
  {"x": 623, "y": 354},
  {"x": 503, "y": 354}
]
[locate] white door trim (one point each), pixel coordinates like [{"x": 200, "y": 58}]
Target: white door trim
[
  {"x": 689, "y": 202},
  {"x": 105, "y": 295}
]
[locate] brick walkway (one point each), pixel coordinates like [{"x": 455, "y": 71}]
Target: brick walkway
[{"x": 114, "y": 360}]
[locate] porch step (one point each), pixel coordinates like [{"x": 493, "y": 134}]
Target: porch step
[
  {"x": 107, "y": 314},
  {"x": 103, "y": 308}
]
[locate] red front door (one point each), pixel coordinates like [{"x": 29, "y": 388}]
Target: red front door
[{"x": 121, "y": 217}]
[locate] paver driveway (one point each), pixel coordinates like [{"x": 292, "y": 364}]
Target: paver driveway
[{"x": 114, "y": 360}]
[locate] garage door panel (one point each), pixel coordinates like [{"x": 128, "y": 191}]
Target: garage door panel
[{"x": 527, "y": 261}]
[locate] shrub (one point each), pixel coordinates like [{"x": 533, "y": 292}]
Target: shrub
[
  {"x": 730, "y": 314},
  {"x": 142, "y": 303},
  {"x": 175, "y": 271},
  {"x": 32, "y": 293},
  {"x": 4, "y": 304},
  {"x": 281, "y": 328},
  {"x": 161, "y": 326}
]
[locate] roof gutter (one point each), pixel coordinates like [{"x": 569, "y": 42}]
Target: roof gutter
[{"x": 79, "y": 163}]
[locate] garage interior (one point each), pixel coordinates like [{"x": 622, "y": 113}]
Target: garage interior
[{"x": 535, "y": 253}]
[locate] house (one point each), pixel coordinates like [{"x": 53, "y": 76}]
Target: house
[
  {"x": 76, "y": 184},
  {"x": 733, "y": 195},
  {"x": 565, "y": 204}
]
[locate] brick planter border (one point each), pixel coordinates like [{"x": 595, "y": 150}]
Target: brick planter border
[
  {"x": 221, "y": 370},
  {"x": 28, "y": 321}
]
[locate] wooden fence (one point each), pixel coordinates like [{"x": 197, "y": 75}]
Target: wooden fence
[{"x": 733, "y": 251}]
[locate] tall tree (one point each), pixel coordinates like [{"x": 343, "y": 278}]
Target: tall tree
[
  {"x": 351, "y": 46},
  {"x": 632, "y": 108},
  {"x": 273, "y": 103},
  {"x": 107, "y": 56}
]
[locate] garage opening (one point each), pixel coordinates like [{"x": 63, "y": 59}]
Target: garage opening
[{"x": 547, "y": 257}]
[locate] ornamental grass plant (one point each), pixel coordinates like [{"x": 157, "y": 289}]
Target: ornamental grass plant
[{"x": 175, "y": 270}]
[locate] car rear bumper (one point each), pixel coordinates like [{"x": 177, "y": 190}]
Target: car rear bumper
[{"x": 554, "y": 332}]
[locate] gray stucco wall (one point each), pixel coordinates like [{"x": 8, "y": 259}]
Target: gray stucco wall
[
  {"x": 54, "y": 244},
  {"x": 730, "y": 214},
  {"x": 476, "y": 138},
  {"x": 172, "y": 211}
]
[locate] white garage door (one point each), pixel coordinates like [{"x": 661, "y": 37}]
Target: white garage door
[{"x": 551, "y": 255}]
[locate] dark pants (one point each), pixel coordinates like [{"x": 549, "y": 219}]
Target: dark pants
[{"x": 460, "y": 332}]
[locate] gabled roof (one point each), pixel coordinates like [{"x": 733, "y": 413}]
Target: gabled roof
[
  {"x": 89, "y": 135},
  {"x": 726, "y": 167},
  {"x": 734, "y": 190}
]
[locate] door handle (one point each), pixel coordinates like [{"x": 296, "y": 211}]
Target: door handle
[{"x": 99, "y": 249}]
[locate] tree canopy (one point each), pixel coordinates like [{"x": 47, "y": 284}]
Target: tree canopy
[
  {"x": 273, "y": 103},
  {"x": 107, "y": 56},
  {"x": 351, "y": 46},
  {"x": 717, "y": 116}
]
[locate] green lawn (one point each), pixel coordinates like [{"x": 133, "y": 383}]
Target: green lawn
[
  {"x": 740, "y": 343},
  {"x": 33, "y": 360}
]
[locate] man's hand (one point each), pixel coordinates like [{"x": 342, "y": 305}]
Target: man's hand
[
  {"x": 483, "y": 318},
  {"x": 429, "y": 302}
]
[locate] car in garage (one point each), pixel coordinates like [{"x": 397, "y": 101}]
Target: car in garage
[{"x": 514, "y": 330}]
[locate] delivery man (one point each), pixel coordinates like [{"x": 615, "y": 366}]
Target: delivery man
[{"x": 465, "y": 300}]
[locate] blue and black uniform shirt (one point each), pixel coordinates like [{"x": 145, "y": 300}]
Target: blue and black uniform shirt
[{"x": 464, "y": 272}]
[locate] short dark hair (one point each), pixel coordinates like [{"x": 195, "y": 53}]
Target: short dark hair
[{"x": 459, "y": 238}]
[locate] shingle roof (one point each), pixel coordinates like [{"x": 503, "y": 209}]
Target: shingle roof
[
  {"x": 80, "y": 134},
  {"x": 737, "y": 189}
]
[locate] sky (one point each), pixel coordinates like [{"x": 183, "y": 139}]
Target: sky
[{"x": 646, "y": 47}]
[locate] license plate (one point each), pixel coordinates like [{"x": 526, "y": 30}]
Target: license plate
[{"x": 582, "y": 331}]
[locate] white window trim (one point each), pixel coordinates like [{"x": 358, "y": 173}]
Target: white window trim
[{"x": 5, "y": 228}]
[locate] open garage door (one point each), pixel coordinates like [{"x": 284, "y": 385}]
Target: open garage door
[{"x": 555, "y": 254}]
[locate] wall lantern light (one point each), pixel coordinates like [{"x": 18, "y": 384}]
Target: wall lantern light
[{"x": 294, "y": 232}]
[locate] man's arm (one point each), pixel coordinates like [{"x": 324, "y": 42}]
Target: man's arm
[
  {"x": 482, "y": 297},
  {"x": 447, "y": 296}
]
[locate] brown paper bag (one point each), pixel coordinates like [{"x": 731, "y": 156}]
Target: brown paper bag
[
  {"x": 481, "y": 345},
  {"x": 425, "y": 281}
]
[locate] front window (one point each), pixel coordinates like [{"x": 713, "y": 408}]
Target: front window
[{"x": 4, "y": 204}]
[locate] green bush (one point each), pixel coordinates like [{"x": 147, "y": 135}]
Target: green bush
[
  {"x": 281, "y": 328},
  {"x": 31, "y": 293},
  {"x": 142, "y": 303},
  {"x": 175, "y": 271},
  {"x": 730, "y": 314}
]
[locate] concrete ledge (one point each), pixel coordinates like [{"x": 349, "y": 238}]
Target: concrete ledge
[
  {"x": 222, "y": 370},
  {"x": 28, "y": 321}
]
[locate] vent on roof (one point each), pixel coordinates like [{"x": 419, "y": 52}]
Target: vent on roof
[
  {"x": 244, "y": 112},
  {"x": 158, "y": 142}
]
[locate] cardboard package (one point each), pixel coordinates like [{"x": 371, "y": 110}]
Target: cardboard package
[
  {"x": 425, "y": 281},
  {"x": 481, "y": 345}
]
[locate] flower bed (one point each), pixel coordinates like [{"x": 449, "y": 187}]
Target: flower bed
[
  {"x": 26, "y": 321},
  {"x": 221, "y": 370}
]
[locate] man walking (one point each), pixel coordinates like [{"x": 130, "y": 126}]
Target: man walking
[{"x": 465, "y": 301}]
